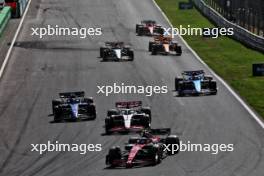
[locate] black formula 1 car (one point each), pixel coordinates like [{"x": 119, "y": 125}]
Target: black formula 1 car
[
  {"x": 164, "y": 45},
  {"x": 144, "y": 150},
  {"x": 73, "y": 106},
  {"x": 149, "y": 28},
  {"x": 128, "y": 117},
  {"x": 116, "y": 51},
  {"x": 195, "y": 83}
]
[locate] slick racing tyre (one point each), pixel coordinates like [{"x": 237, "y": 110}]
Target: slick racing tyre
[
  {"x": 131, "y": 55},
  {"x": 147, "y": 111},
  {"x": 150, "y": 46},
  {"x": 140, "y": 31},
  {"x": 112, "y": 112},
  {"x": 54, "y": 104},
  {"x": 174, "y": 143},
  {"x": 178, "y": 50},
  {"x": 160, "y": 30},
  {"x": 92, "y": 111},
  {"x": 108, "y": 125},
  {"x": 102, "y": 49},
  {"x": 154, "y": 50},
  {"x": 88, "y": 100},
  {"x": 113, "y": 154},
  {"x": 137, "y": 27},
  {"x": 145, "y": 121},
  {"x": 177, "y": 81},
  {"x": 213, "y": 87},
  {"x": 57, "y": 115}
]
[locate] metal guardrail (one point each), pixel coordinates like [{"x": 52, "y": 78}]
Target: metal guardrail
[{"x": 244, "y": 36}]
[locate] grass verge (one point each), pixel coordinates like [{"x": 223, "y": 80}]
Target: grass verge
[{"x": 227, "y": 57}]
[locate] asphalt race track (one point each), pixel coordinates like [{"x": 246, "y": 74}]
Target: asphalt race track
[{"x": 41, "y": 68}]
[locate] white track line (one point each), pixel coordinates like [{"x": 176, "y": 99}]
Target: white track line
[
  {"x": 13, "y": 41},
  {"x": 250, "y": 111}
]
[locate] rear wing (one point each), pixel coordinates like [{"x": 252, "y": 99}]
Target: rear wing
[
  {"x": 129, "y": 104},
  {"x": 114, "y": 44},
  {"x": 162, "y": 38},
  {"x": 160, "y": 131},
  {"x": 148, "y": 22},
  {"x": 191, "y": 73},
  {"x": 72, "y": 94}
]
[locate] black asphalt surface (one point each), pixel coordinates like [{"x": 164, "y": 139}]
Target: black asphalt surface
[{"x": 41, "y": 68}]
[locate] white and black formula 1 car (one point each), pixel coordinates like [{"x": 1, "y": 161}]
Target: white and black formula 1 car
[
  {"x": 128, "y": 117},
  {"x": 195, "y": 83},
  {"x": 73, "y": 106},
  {"x": 149, "y": 28},
  {"x": 145, "y": 150},
  {"x": 116, "y": 51},
  {"x": 164, "y": 45}
]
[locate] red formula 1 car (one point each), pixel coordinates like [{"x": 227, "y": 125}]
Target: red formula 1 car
[
  {"x": 144, "y": 150},
  {"x": 149, "y": 28},
  {"x": 127, "y": 117}
]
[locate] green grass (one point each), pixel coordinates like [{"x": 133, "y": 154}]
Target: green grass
[{"x": 228, "y": 58}]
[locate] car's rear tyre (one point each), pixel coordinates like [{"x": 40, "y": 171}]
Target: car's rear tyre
[
  {"x": 54, "y": 104},
  {"x": 57, "y": 116},
  {"x": 112, "y": 112},
  {"x": 88, "y": 100},
  {"x": 213, "y": 87},
  {"x": 178, "y": 50},
  {"x": 108, "y": 125},
  {"x": 92, "y": 111},
  {"x": 180, "y": 89},
  {"x": 173, "y": 141},
  {"x": 102, "y": 49},
  {"x": 137, "y": 27},
  {"x": 150, "y": 46},
  {"x": 154, "y": 50},
  {"x": 140, "y": 31},
  {"x": 131, "y": 55},
  {"x": 160, "y": 30},
  {"x": 147, "y": 111}
]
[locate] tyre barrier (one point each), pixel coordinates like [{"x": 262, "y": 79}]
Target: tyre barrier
[{"x": 5, "y": 15}]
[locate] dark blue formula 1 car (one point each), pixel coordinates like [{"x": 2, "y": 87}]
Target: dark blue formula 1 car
[
  {"x": 195, "y": 83},
  {"x": 73, "y": 106}
]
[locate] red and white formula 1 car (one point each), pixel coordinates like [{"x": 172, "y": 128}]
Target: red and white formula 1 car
[{"x": 127, "y": 117}]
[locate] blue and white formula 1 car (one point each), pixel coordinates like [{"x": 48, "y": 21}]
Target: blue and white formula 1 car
[
  {"x": 195, "y": 83},
  {"x": 116, "y": 51},
  {"x": 73, "y": 106},
  {"x": 128, "y": 117}
]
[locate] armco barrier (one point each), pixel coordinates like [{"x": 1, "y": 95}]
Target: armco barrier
[
  {"x": 244, "y": 36},
  {"x": 5, "y": 15}
]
